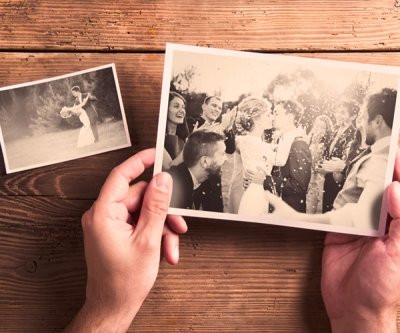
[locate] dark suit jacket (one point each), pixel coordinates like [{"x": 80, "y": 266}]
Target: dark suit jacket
[
  {"x": 340, "y": 150},
  {"x": 291, "y": 181},
  {"x": 182, "y": 189}
]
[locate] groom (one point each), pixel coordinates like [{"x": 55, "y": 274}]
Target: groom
[
  {"x": 89, "y": 107},
  {"x": 291, "y": 180}
]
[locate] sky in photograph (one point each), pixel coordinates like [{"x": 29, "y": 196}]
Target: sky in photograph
[{"x": 233, "y": 76}]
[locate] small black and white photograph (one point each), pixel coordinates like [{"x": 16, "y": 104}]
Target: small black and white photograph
[
  {"x": 62, "y": 118},
  {"x": 284, "y": 140}
]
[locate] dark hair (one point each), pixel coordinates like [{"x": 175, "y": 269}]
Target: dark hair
[
  {"x": 292, "y": 108},
  {"x": 200, "y": 143},
  {"x": 382, "y": 103},
  {"x": 208, "y": 98},
  {"x": 76, "y": 88},
  {"x": 352, "y": 107},
  {"x": 182, "y": 130},
  {"x": 173, "y": 94}
]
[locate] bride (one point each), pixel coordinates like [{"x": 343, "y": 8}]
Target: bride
[
  {"x": 86, "y": 136},
  {"x": 254, "y": 156}
]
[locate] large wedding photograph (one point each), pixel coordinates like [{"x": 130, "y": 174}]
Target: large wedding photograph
[
  {"x": 62, "y": 118},
  {"x": 276, "y": 139}
]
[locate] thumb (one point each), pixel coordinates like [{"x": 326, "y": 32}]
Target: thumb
[
  {"x": 394, "y": 200},
  {"x": 154, "y": 209}
]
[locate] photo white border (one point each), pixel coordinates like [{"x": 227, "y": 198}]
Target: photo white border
[
  {"x": 270, "y": 219},
  {"x": 32, "y": 83}
]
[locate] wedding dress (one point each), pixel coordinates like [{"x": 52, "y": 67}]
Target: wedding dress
[
  {"x": 86, "y": 136},
  {"x": 257, "y": 157}
]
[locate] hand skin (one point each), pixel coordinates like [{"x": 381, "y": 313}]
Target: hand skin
[
  {"x": 361, "y": 275},
  {"x": 333, "y": 165},
  {"x": 123, "y": 251}
]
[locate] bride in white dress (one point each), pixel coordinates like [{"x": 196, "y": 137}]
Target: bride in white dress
[
  {"x": 86, "y": 136},
  {"x": 254, "y": 156}
]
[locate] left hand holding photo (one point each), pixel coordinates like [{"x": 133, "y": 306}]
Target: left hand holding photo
[{"x": 123, "y": 252}]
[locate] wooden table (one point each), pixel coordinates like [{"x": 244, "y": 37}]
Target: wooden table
[{"x": 232, "y": 276}]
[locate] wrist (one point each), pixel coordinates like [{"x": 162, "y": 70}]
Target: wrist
[
  {"x": 94, "y": 318},
  {"x": 384, "y": 322}
]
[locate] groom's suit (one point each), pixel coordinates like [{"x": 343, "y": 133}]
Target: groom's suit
[{"x": 291, "y": 181}]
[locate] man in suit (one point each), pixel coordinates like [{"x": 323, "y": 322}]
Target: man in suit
[
  {"x": 338, "y": 153},
  {"x": 358, "y": 204},
  {"x": 203, "y": 157},
  {"x": 89, "y": 107},
  {"x": 211, "y": 120},
  {"x": 291, "y": 181}
]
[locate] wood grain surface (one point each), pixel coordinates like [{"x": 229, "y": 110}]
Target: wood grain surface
[
  {"x": 233, "y": 276},
  {"x": 244, "y": 24}
]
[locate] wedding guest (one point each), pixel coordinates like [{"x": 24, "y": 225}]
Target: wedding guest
[
  {"x": 203, "y": 157},
  {"x": 320, "y": 137},
  {"x": 211, "y": 120},
  {"x": 338, "y": 152},
  {"x": 89, "y": 107},
  {"x": 177, "y": 128},
  {"x": 291, "y": 180},
  {"x": 358, "y": 203}
]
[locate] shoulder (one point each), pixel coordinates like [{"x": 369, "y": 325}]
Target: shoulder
[{"x": 300, "y": 143}]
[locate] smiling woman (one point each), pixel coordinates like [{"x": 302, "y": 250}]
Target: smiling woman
[{"x": 177, "y": 129}]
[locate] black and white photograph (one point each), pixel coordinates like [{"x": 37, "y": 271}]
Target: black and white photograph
[
  {"x": 293, "y": 141},
  {"x": 62, "y": 118}
]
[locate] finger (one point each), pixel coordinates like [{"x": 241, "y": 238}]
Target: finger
[
  {"x": 170, "y": 246},
  {"x": 333, "y": 238},
  {"x": 135, "y": 196},
  {"x": 116, "y": 185},
  {"x": 394, "y": 233},
  {"x": 154, "y": 208},
  {"x": 397, "y": 166},
  {"x": 177, "y": 224},
  {"x": 394, "y": 200},
  {"x": 273, "y": 199}
]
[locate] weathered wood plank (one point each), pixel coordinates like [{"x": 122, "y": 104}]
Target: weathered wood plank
[
  {"x": 252, "y": 25},
  {"x": 140, "y": 77},
  {"x": 231, "y": 276}
]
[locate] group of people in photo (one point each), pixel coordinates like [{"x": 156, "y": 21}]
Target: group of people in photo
[{"x": 336, "y": 162}]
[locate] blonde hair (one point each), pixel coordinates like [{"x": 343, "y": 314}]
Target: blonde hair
[{"x": 249, "y": 110}]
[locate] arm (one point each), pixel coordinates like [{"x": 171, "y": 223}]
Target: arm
[
  {"x": 360, "y": 280},
  {"x": 122, "y": 251},
  {"x": 300, "y": 170}
]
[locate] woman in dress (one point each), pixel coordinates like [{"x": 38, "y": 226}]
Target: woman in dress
[
  {"x": 253, "y": 156},
  {"x": 320, "y": 137},
  {"x": 177, "y": 128},
  {"x": 86, "y": 136}
]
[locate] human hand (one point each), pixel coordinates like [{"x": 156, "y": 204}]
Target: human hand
[
  {"x": 228, "y": 119},
  {"x": 361, "y": 275},
  {"x": 333, "y": 165},
  {"x": 281, "y": 208},
  {"x": 256, "y": 175},
  {"x": 123, "y": 232}
]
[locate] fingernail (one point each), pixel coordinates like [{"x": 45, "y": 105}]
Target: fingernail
[
  {"x": 176, "y": 253},
  {"x": 163, "y": 182}
]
